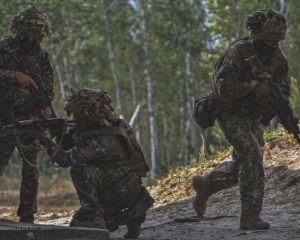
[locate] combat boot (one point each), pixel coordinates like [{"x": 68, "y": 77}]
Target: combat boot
[
  {"x": 134, "y": 226},
  {"x": 201, "y": 186},
  {"x": 98, "y": 222},
  {"x": 253, "y": 222},
  {"x": 26, "y": 219}
]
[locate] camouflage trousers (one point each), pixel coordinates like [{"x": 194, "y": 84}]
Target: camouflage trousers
[
  {"x": 247, "y": 169},
  {"x": 99, "y": 196},
  {"x": 30, "y": 174}
]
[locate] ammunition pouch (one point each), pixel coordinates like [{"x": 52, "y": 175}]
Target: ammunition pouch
[{"x": 206, "y": 110}]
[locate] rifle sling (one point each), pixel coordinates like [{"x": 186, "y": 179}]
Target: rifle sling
[
  {"x": 23, "y": 55},
  {"x": 21, "y": 146}
]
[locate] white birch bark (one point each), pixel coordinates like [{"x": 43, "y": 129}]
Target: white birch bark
[
  {"x": 134, "y": 101},
  {"x": 148, "y": 81},
  {"x": 189, "y": 110},
  {"x": 112, "y": 58},
  {"x": 60, "y": 79},
  {"x": 168, "y": 143},
  {"x": 76, "y": 76},
  {"x": 239, "y": 23},
  {"x": 181, "y": 111},
  {"x": 65, "y": 60}
]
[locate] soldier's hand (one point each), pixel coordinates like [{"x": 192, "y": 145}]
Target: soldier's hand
[
  {"x": 290, "y": 124},
  {"x": 24, "y": 80},
  {"x": 58, "y": 131},
  {"x": 38, "y": 132},
  {"x": 46, "y": 113},
  {"x": 263, "y": 93},
  {"x": 263, "y": 76}
]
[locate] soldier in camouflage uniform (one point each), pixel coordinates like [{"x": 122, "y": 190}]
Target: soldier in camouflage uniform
[
  {"x": 30, "y": 26},
  {"x": 243, "y": 99},
  {"x": 107, "y": 164}
]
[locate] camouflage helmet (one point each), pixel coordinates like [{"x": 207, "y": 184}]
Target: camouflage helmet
[
  {"x": 31, "y": 22},
  {"x": 266, "y": 24},
  {"x": 94, "y": 104}
]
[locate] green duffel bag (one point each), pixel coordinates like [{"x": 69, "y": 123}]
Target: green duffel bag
[{"x": 205, "y": 111}]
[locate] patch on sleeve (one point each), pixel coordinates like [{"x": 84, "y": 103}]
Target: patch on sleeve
[{"x": 221, "y": 79}]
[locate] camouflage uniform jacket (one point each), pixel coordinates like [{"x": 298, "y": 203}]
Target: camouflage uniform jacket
[
  {"x": 232, "y": 76},
  {"x": 9, "y": 88},
  {"x": 109, "y": 148}
]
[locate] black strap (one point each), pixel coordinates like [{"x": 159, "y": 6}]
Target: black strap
[{"x": 23, "y": 55}]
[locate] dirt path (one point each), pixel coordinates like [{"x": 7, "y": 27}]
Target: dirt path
[
  {"x": 281, "y": 206},
  {"x": 283, "y": 216}
]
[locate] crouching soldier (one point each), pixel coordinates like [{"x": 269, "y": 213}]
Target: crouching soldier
[{"x": 107, "y": 164}]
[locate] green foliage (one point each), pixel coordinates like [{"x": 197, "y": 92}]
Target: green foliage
[
  {"x": 273, "y": 135},
  {"x": 184, "y": 40}
]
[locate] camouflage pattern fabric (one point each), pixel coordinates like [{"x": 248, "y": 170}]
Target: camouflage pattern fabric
[
  {"x": 238, "y": 119},
  {"x": 266, "y": 24},
  {"x": 246, "y": 137},
  {"x": 94, "y": 104},
  {"x": 102, "y": 173},
  {"x": 30, "y": 174},
  {"x": 11, "y": 90},
  {"x": 31, "y": 22},
  {"x": 231, "y": 79}
]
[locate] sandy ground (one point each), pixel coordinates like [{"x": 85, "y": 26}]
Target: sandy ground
[
  {"x": 283, "y": 215},
  {"x": 281, "y": 207}
]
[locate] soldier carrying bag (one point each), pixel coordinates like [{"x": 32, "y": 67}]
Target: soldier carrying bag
[{"x": 206, "y": 110}]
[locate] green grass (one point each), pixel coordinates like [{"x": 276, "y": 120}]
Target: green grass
[
  {"x": 177, "y": 184},
  {"x": 275, "y": 134}
]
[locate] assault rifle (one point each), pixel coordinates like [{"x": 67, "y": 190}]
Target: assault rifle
[
  {"x": 46, "y": 123},
  {"x": 38, "y": 95},
  {"x": 281, "y": 106}
]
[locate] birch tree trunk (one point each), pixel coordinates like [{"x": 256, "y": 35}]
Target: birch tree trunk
[
  {"x": 134, "y": 102},
  {"x": 60, "y": 79},
  {"x": 239, "y": 23},
  {"x": 168, "y": 143},
  {"x": 112, "y": 58},
  {"x": 65, "y": 61},
  {"x": 148, "y": 80}
]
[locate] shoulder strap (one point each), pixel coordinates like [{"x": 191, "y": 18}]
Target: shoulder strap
[{"x": 19, "y": 49}]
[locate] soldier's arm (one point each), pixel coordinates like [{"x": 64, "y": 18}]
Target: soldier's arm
[
  {"x": 86, "y": 153},
  {"x": 47, "y": 72},
  {"x": 7, "y": 77},
  {"x": 283, "y": 78},
  {"x": 67, "y": 142},
  {"x": 229, "y": 80}
]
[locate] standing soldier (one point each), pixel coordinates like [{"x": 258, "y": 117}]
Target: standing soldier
[
  {"x": 244, "y": 97},
  {"x": 107, "y": 164},
  {"x": 30, "y": 26}
]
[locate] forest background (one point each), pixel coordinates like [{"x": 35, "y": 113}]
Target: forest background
[{"x": 155, "y": 57}]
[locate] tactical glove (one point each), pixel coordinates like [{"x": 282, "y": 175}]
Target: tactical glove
[
  {"x": 290, "y": 124},
  {"x": 263, "y": 93}
]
